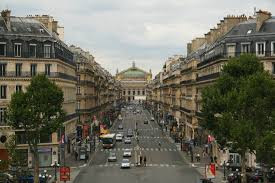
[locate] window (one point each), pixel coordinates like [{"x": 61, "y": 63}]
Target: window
[
  {"x": 129, "y": 92},
  {"x": 134, "y": 92},
  {"x": 245, "y": 47},
  {"x": 3, "y": 68},
  {"x": 47, "y": 51},
  {"x": 33, "y": 69},
  {"x": 273, "y": 68},
  {"x": 48, "y": 69},
  {"x": 273, "y": 48},
  {"x": 17, "y": 49},
  {"x": 78, "y": 78},
  {"x": 18, "y": 69},
  {"x": 78, "y": 105},
  {"x": 143, "y": 92},
  {"x": 77, "y": 67},
  {"x": 45, "y": 138},
  {"x": 260, "y": 49},
  {"x": 138, "y": 92},
  {"x": 124, "y": 92},
  {"x": 20, "y": 137},
  {"x": 2, "y": 49},
  {"x": 231, "y": 49},
  {"x": 32, "y": 50},
  {"x": 18, "y": 88},
  {"x": 3, "y": 92},
  {"x": 78, "y": 90},
  {"x": 3, "y": 115}
]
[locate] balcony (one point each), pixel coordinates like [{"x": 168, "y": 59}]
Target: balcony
[
  {"x": 208, "y": 77},
  {"x": 52, "y": 75}
]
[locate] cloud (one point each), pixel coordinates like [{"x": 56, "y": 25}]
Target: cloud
[{"x": 117, "y": 32}]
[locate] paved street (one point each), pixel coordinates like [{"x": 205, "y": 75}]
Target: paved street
[{"x": 163, "y": 164}]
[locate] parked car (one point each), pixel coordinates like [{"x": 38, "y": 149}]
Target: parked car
[
  {"x": 125, "y": 163},
  {"x": 112, "y": 157},
  {"x": 119, "y": 137},
  {"x": 127, "y": 153},
  {"x": 146, "y": 121},
  {"x": 271, "y": 175},
  {"x": 127, "y": 141},
  {"x": 121, "y": 133},
  {"x": 152, "y": 119}
]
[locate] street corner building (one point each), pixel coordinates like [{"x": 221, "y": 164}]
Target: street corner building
[
  {"x": 29, "y": 47},
  {"x": 134, "y": 83},
  {"x": 175, "y": 92}
]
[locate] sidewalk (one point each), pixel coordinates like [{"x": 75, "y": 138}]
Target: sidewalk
[
  {"x": 199, "y": 166},
  {"x": 75, "y": 166}
]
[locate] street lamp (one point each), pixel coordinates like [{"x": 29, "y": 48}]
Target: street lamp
[
  {"x": 44, "y": 176},
  {"x": 55, "y": 165}
]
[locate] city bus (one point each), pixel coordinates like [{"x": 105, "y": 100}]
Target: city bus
[{"x": 108, "y": 140}]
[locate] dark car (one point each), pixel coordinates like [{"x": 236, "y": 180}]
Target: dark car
[
  {"x": 271, "y": 175},
  {"x": 257, "y": 176},
  {"x": 145, "y": 121}
]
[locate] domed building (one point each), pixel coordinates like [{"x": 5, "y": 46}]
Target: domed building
[{"x": 134, "y": 81}]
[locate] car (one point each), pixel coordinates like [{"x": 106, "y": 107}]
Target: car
[
  {"x": 120, "y": 127},
  {"x": 127, "y": 153},
  {"x": 130, "y": 133},
  {"x": 121, "y": 133},
  {"x": 127, "y": 141},
  {"x": 119, "y": 137},
  {"x": 152, "y": 119},
  {"x": 146, "y": 121},
  {"x": 112, "y": 157},
  {"x": 6, "y": 177},
  {"x": 125, "y": 163}
]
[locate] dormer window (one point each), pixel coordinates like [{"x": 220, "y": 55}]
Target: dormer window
[
  {"x": 17, "y": 49},
  {"x": 32, "y": 50},
  {"x": 245, "y": 47},
  {"x": 273, "y": 48},
  {"x": 260, "y": 49},
  {"x": 47, "y": 51},
  {"x": 41, "y": 30},
  {"x": 2, "y": 49},
  {"x": 231, "y": 49}
]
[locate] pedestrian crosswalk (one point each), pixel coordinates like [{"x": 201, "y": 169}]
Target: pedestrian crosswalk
[
  {"x": 139, "y": 129},
  {"x": 139, "y": 149},
  {"x": 110, "y": 165}
]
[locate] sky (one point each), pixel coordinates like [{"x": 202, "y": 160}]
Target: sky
[{"x": 118, "y": 32}]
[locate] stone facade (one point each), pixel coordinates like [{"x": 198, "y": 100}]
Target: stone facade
[
  {"x": 233, "y": 36},
  {"x": 29, "y": 47},
  {"x": 133, "y": 82}
]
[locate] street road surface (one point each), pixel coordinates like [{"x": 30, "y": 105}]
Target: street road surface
[{"x": 164, "y": 164}]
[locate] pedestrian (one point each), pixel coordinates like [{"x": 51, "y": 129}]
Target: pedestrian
[
  {"x": 144, "y": 160},
  {"x": 75, "y": 155},
  {"x": 198, "y": 157},
  {"x": 140, "y": 160},
  {"x": 203, "y": 153},
  {"x": 211, "y": 159}
]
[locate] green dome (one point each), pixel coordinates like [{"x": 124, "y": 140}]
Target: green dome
[{"x": 134, "y": 73}]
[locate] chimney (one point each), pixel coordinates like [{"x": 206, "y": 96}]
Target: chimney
[
  {"x": 261, "y": 17},
  {"x": 6, "y": 16},
  {"x": 189, "y": 48}
]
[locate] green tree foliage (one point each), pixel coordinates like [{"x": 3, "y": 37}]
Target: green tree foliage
[
  {"x": 240, "y": 106},
  {"x": 38, "y": 111}
]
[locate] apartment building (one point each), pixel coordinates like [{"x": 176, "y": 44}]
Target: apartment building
[
  {"x": 28, "y": 48},
  {"x": 206, "y": 56}
]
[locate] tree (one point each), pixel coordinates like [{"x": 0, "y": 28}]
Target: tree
[
  {"x": 38, "y": 111},
  {"x": 240, "y": 107}
]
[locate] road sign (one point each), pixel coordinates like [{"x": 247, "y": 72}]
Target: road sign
[{"x": 65, "y": 173}]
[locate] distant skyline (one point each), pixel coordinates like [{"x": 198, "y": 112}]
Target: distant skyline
[{"x": 118, "y": 32}]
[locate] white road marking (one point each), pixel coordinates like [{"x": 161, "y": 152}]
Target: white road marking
[{"x": 161, "y": 165}]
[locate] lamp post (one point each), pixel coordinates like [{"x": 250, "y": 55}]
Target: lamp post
[
  {"x": 224, "y": 178},
  {"x": 44, "y": 176},
  {"x": 55, "y": 165}
]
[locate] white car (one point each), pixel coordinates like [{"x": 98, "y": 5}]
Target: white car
[
  {"x": 127, "y": 153},
  {"x": 119, "y": 137},
  {"x": 152, "y": 119},
  {"x": 121, "y": 133},
  {"x": 125, "y": 163},
  {"x": 112, "y": 157},
  {"x": 127, "y": 141}
]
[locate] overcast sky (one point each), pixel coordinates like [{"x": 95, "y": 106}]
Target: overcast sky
[{"x": 118, "y": 32}]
